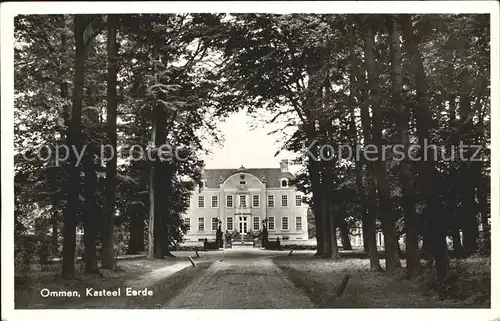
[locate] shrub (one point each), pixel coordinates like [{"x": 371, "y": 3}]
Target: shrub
[
  {"x": 189, "y": 248},
  {"x": 298, "y": 247},
  {"x": 120, "y": 241}
]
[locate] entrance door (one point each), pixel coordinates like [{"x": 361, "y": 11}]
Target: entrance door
[{"x": 243, "y": 220}]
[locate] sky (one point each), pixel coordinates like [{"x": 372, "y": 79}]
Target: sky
[{"x": 247, "y": 146}]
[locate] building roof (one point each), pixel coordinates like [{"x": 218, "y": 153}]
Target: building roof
[{"x": 272, "y": 175}]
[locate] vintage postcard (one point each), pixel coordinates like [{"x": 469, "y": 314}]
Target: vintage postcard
[{"x": 203, "y": 160}]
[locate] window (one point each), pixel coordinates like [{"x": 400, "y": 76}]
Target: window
[
  {"x": 229, "y": 223},
  {"x": 358, "y": 241},
  {"x": 284, "y": 223},
  {"x": 215, "y": 201},
  {"x": 201, "y": 224},
  {"x": 243, "y": 200},
  {"x": 229, "y": 201},
  {"x": 270, "y": 200},
  {"x": 284, "y": 200},
  {"x": 256, "y": 223},
  {"x": 187, "y": 223},
  {"x": 284, "y": 183},
  {"x": 298, "y": 200},
  {"x": 270, "y": 223},
  {"x": 255, "y": 200},
  {"x": 298, "y": 223},
  {"x": 215, "y": 223},
  {"x": 201, "y": 201}
]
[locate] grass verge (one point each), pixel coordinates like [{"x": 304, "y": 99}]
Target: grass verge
[
  {"x": 28, "y": 286},
  {"x": 319, "y": 279}
]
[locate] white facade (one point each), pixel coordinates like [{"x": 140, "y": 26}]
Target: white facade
[{"x": 243, "y": 200}]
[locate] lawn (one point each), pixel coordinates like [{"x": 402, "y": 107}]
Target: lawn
[
  {"x": 320, "y": 278},
  {"x": 131, "y": 271}
]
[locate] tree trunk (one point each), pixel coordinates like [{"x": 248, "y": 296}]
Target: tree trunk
[
  {"x": 364, "y": 226},
  {"x": 328, "y": 212},
  {"x": 344, "y": 234},
  {"x": 74, "y": 140},
  {"x": 372, "y": 243},
  {"x": 402, "y": 120},
  {"x": 360, "y": 190},
  {"x": 161, "y": 183},
  {"x": 326, "y": 228},
  {"x": 151, "y": 218},
  {"x": 318, "y": 219},
  {"x": 313, "y": 100},
  {"x": 314, "y": 175},
  {"x": 484, "y": 208},
  {"x": 433, "y": 213},
  {"x": 90, "y": 213},
  {"x": 326, "y": 219},
  {"x": 457, "y": 243},
  {"x": 54, "y": 235},
  {"x": 167, "y": 177},
  {"x": 385, "y": 209},
  {"x": 467, "y": 177},
  {"x": 108, "y": 256},
  {"x": 333, "y": 228},
  {"x": 64, "y": 90},
  {"x": 370, "y": 201}
]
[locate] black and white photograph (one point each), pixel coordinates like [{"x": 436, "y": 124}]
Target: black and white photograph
[{"x": 194, "y": 156}]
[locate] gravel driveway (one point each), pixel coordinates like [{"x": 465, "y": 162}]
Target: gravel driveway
[{"x": 241, "y": 278}]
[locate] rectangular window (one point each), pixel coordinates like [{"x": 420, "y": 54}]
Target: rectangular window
[
  {"x": 215, "y": 201},
  {"x": 201, "y": 224},
  {"x": 187, "y": 223},
  {"x": 270, "y": 223},
  {"x": 298, "y": 223},
  {"x": 229, "y": 223},
  {"x": 256, "y": 201},
  {"x": 256, "y": 223},
  {"x": 201, "y": 201},
  {"x": 270, "y": 200},
  {"x": 229, "y": 201},
  {"x": 284, "y": 200},
  {"x": 243, "y": 201},
  {"x": 215, "y": 223},
  {"x": 298, "y": 200},
  {"x": 284, "y": 223}
]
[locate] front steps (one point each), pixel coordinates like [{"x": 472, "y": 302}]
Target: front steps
[{"x": 242, "y": 240}]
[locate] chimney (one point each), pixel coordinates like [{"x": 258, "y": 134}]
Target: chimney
[{"x": 284, "y": 166}]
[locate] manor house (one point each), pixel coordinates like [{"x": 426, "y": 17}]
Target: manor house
[{"x": 243, "y": 200}]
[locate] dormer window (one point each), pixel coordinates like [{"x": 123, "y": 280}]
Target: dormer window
[{"x": 284, "y": 182}]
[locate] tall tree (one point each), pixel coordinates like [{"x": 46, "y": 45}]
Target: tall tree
[
  {"x": 435, "y": 234},
  {"x": 403, "y": 139},
  {"x": 359, "y": 93},
  {"x": 108, "y": 255},
  {"x": 74, "y": 140},
  {"x": 379, "y": 167}
]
